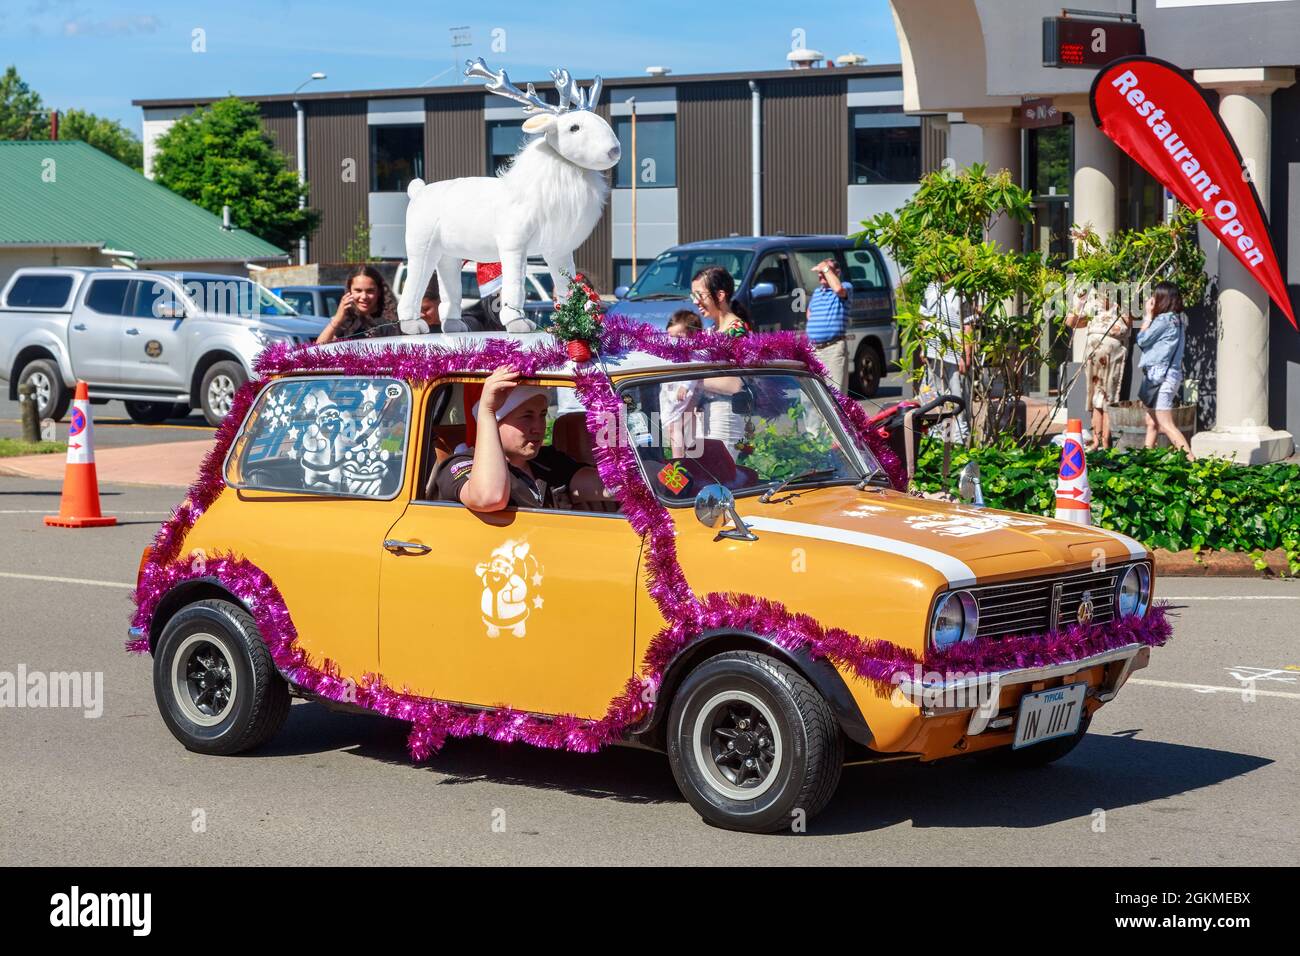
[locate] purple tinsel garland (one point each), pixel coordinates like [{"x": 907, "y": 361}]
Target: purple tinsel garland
[{"x": 687, "y": 616}]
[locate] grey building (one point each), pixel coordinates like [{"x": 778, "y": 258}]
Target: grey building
[{"x": 832, "y": 146}]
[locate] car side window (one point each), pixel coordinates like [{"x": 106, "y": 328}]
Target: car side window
[
  {"x": 151, "y": 296},
  {"x": 301, "y": 302},
  {"x": 804, "y": 260},
  {"x": 340, "y": 436},
  {"x": 772, "y": 269},
  {"x": 108, "y": 296},
  {"x": 864, "y": 270}
]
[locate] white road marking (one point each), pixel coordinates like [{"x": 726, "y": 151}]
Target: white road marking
[
  {"x": 1212, "y": 689},
  {"x": 58, "y": 580}
]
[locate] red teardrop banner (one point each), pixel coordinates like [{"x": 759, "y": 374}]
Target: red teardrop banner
[{"x": 1158, "y": 114}]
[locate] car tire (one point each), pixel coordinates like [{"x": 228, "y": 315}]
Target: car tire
[
  {"x": 1036, "y": 755},
  {"x": 217, "y": 688},
  {"x": 868, "y": 369},
  {"x": 781, "y": 719},
  {"x": 218, "y": 388},
  {"x": 181, "y": 410},
  {"x": 149, "y": 413},
  {"x": 52, "y": 396}
]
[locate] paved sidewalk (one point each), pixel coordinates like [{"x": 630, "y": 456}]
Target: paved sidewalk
[{"x": 172, "y": 464}]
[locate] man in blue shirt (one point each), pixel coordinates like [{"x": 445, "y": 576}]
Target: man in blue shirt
[{"x": 828, "y": 321}]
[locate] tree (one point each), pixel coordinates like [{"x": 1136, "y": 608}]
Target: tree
[
  {"x": 221, "y": 156},
  {"x": 106, "y": 135},
  {"x": 358, "y": 247},
  {"x": 22, "y": 115},
  {"x": 939, "y": 238}
]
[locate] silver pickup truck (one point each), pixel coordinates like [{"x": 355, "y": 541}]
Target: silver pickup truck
[{"x": 162, "y": 342}]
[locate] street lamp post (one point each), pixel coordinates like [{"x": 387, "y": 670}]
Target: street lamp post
[{"x": 302, "y": 158}]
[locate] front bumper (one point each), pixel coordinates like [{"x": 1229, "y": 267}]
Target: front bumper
[{"x": 932, "y": 696}]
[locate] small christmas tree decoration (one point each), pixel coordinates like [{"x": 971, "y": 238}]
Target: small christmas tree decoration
[{"x": 576, "y": 320}]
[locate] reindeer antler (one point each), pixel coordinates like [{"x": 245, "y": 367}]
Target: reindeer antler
[
  {"x": 499, "y": 83},
  {"x": 565, "y": 85}
]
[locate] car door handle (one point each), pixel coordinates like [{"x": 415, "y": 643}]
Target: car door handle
[
  {"x": 413, "y": 548},
  {"x": 80, "y": 326},
  {"x": 132, "y": 331}
]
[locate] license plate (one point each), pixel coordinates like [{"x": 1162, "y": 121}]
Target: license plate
[{"x": 1049, "y": 714}]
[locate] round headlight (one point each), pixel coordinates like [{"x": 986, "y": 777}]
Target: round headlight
[
  {"x": 956, "y": 618},
  {"x": 1134, "y": 591}
]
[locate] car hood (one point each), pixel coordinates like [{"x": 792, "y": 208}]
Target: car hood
[
  {"x": 286, "y": 324},
  {"x": 960, "y": 541}
]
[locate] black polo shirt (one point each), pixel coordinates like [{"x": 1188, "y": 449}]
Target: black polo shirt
[{"x": 552, "y": 470}]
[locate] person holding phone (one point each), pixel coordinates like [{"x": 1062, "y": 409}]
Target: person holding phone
[
  {"x": 1162, "y": 338},
  {"x": 368, "y": 308}
]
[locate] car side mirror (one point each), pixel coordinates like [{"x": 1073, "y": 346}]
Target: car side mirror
[
  {"x": 762, "y": 290},
  {"x": 715, "y": 504},
  {"x": 968, "y": 484},
  {"x": 621, "y": 292}
]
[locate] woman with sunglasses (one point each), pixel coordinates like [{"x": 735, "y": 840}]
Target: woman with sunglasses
[{"x": 712, "y": 290}]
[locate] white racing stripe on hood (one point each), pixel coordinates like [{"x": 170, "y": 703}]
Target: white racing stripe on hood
[
  {"x": 1135, "y": 548},
  {"x": 958, "y": 573}
]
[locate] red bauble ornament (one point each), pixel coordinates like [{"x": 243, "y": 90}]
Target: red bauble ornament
[{"x": 578, "y": 350}]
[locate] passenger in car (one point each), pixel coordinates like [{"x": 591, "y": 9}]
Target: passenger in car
[{"x": 509, "y": 466}]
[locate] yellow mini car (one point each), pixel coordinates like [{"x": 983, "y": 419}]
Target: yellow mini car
[{"x": 753, "y": 591}]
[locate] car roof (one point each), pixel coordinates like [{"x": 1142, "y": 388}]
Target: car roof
[
  {"x": 630, "y": 362},
  {"x": 303, "y": 288}
]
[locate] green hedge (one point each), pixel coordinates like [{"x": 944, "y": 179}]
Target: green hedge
[{"x": 1154, "y": 495}]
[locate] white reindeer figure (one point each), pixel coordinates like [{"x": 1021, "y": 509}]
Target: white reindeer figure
[{"x": 545, "y": 203}]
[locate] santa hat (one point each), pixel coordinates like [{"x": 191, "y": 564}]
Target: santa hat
[{"x": 488, "y": 275}]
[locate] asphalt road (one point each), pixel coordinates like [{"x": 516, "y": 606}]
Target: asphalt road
[
  {"x": 112, "y": 425},
  {"x": 1185, "y": 774}
]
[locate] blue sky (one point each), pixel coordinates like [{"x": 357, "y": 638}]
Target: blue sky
[{"x": 100, "y": 55}]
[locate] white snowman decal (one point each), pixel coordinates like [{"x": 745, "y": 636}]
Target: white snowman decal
[{"x": 510, "y": 577}]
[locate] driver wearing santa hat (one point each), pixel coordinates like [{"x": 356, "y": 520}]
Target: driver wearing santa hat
[{"x": 510, "y": 466}]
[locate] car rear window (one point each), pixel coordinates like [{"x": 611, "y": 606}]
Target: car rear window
[
  {"x": 327, "y": 436},
  {"x": 39, "y": 292}
]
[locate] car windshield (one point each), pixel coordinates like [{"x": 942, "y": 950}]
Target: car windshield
[
  {"x": 669, "y": 276},
  {"x": 746, "y": 430},
  {"x": 234, "y": 296}
]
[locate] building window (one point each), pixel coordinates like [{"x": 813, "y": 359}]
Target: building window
[
  {"x": 656, "y": 152},
  {"x": 504, "y": 138},
  {"x": 396, "y": 157},
  {"x": 1049, "y": 176},
  {"x": 884, "y": 146}
]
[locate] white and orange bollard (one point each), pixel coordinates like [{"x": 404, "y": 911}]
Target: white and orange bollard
[
  {"x": 1073, "y": 492},
  {"x": 79, "y": 506}
]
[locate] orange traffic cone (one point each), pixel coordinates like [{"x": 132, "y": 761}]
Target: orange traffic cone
[
  {"x": 79, "y": 507},
  {"x": 1073, "y": 492}
]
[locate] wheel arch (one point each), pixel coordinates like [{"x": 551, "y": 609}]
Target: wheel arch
[
  {"x": 29, "y": 353},
  {"x": 184, "y": 594},
  {"x": 205, "y": 362},
  {"x": 817, "y": 671}
]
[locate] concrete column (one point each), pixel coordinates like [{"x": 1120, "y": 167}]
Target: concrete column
[
  {"x": 1001, "y": 136},
  {"x": 1241, "y": 396},
  {"x": 1094, "y": 190}
]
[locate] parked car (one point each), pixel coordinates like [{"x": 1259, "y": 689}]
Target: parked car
[
  {"x": 773, "y": 276},
  {"x": 161, "y": 342},
  {"x": 321, "y": 300},
  {"x": 321, "y": 560}
]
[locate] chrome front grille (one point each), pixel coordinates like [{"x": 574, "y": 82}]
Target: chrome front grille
[{"x": 1037, "y": 605}]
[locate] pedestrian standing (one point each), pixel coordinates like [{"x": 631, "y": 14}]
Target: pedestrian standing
[
  {"x": 1162, "y": 338},
  {"x": 828, "y": 321}
]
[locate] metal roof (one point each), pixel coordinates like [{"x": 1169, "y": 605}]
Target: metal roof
[{"x": 67, "y": 193}]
